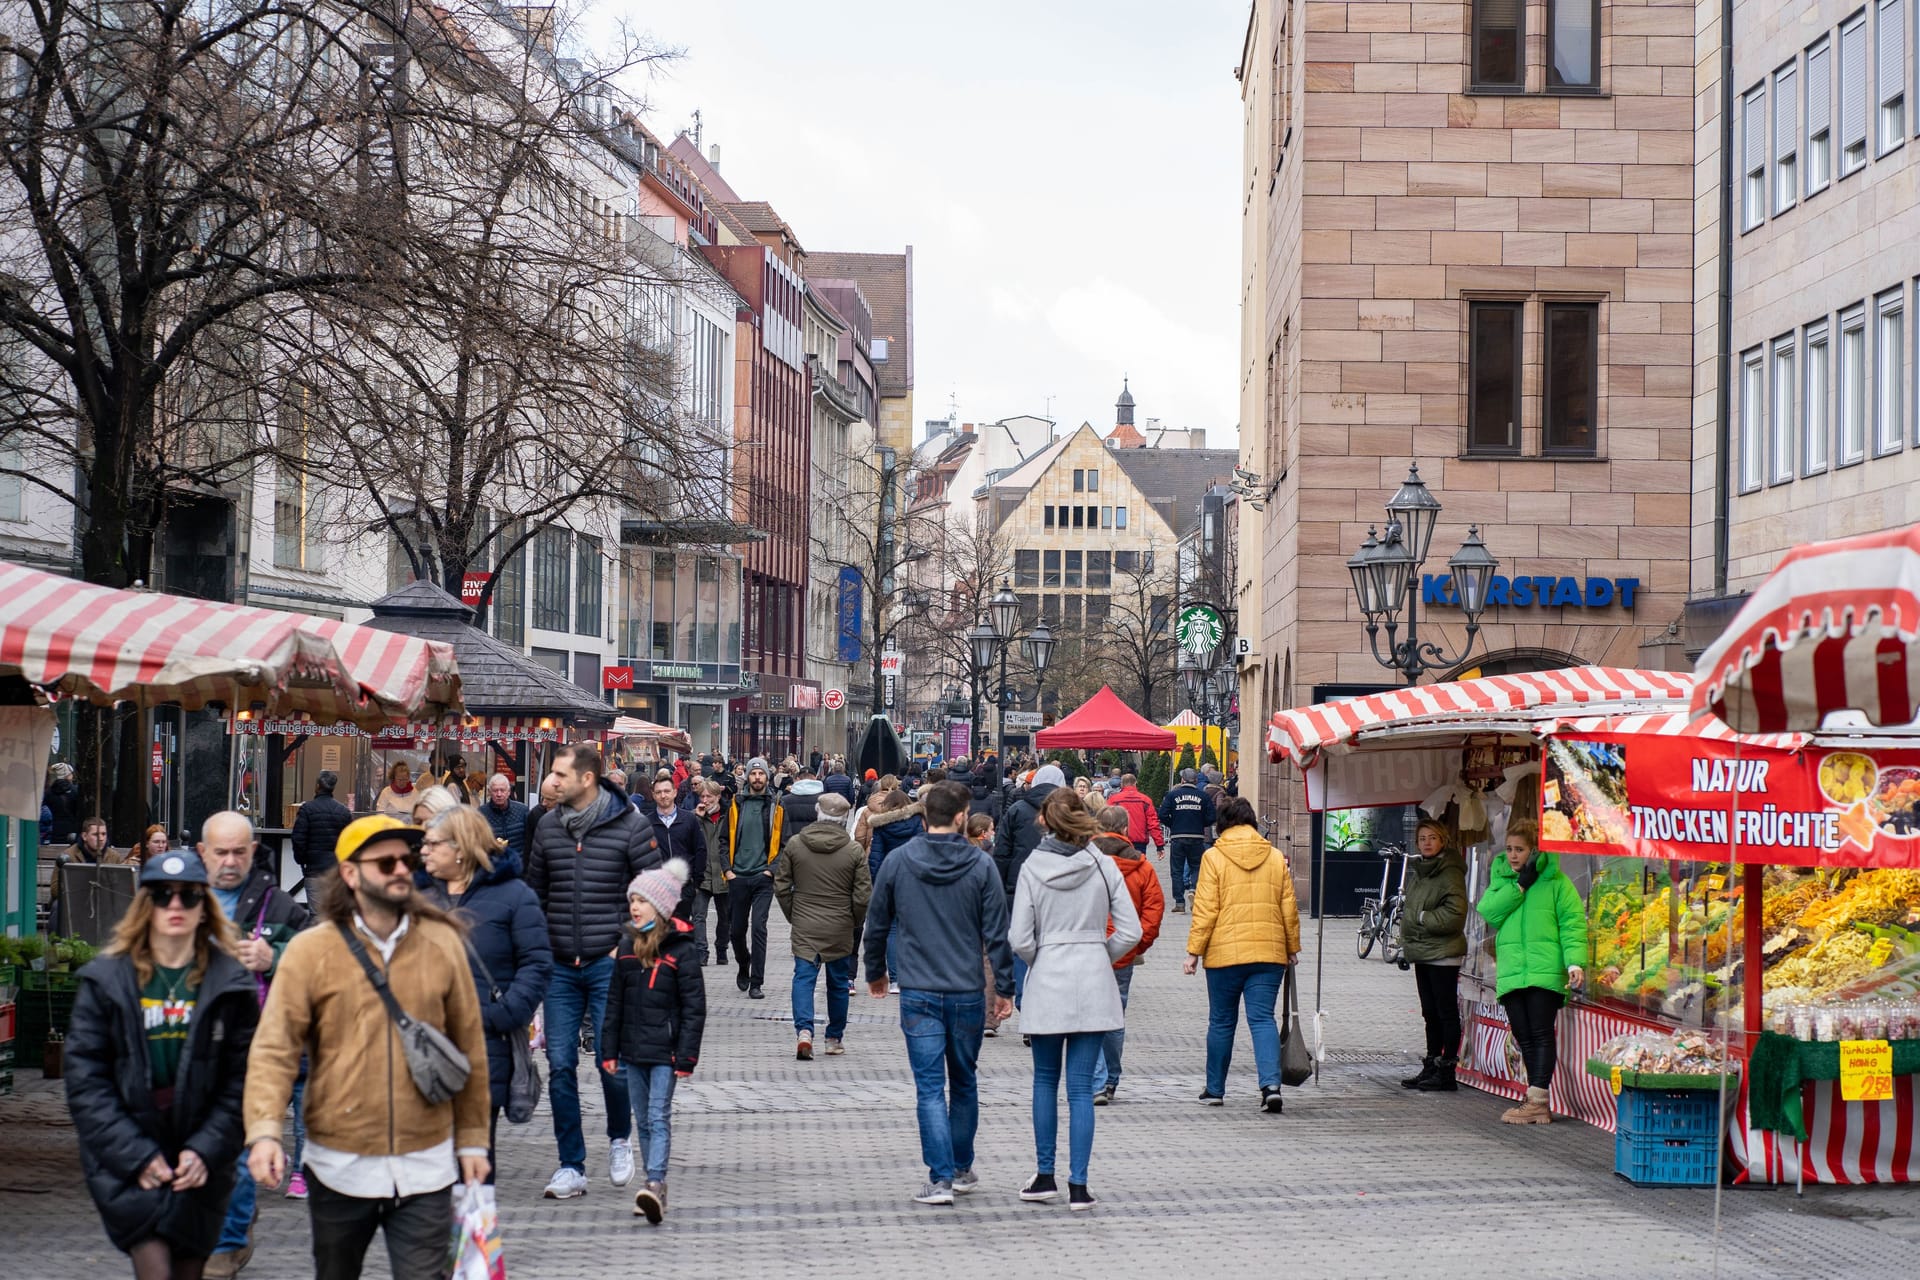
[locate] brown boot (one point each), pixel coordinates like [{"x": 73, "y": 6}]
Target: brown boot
[{"x": 1533, "y": 1111}]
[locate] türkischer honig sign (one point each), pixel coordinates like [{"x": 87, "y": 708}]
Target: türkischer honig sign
[{"x": 1542, "y": 592}]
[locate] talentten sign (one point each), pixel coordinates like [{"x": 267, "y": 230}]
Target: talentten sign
[{"x": 1546, "y": 591}]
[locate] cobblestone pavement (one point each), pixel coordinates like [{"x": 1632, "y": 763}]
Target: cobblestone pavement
[{"x": 802, "y": 1169}]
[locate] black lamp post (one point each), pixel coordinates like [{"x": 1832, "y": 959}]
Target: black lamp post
[
  {"x": 989, "y": 642},
  {"x": 1386, "y": 581}
]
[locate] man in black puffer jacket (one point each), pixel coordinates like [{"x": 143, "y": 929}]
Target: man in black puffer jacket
[{"x": 585, "y": 852}]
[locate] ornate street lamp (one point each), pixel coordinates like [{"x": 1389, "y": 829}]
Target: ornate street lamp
[
  {"x": 989, "y": 642},
  {"x": 1004, "y": 612},
  {"x": 1386, "y": 580}
]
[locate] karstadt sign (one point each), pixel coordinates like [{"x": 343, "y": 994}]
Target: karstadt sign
[{"x": 1546, "y": 592}]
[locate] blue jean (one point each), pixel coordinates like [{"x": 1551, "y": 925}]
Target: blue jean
[
  {"x": 572, "y": 992},
  {"x": 1081, "y": 1050},
  {"x": 651, "y": 1088},
  {"x": 943, "y": 1031},
  {"x": 1183, "y": 866},
  {"x": 1106, "y": 1072},
  {"x": 239, "y": 1220},
  {"x": 1019, "y": 980},
  {"x": 1259, "y": 986},
  {"x": 806, "y": 977}
]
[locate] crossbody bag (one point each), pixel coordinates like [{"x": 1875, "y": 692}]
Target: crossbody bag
[{"x": 438, "y": 1068}]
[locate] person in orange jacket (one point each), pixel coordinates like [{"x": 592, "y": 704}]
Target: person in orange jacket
[
  {"x": 1143, "y": 818},
  {"x": 1143, "y": 886}
]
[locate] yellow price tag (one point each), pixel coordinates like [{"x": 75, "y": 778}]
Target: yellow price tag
[
  {"x": 1866, "y": 1070},
  {"x": 1614, "y": 1080},
  {"x": 1880, "y": 952}
]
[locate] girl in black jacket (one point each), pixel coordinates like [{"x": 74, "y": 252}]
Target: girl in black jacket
[
  {"x": 656, "y": 1010},
  {"x": 156, "y": 1061}
]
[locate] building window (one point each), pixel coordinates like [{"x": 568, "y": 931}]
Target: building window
[
  {"x": 587, "y": 578},
  {"x": 1126, "y": 562},
  {"x": 1100, "y": 569},
  {"x": 1026, "y": 568},
  {"x": 1853, "y": 386},
  {"x": 1050, "y": 610},
  {"x": 1786, "y": 135},
  {"x": 1572, "y": 396},
  {"x": 1061, "y": 518},
  {"x": 1073, "y": 569},
  {"x": 1050, "y": 568},
  {"x": 1753, "y": 391},
  {"x": 510, "y": 588},
  {"x": 296, "y": 499},
  {"x": 1493, "y": 377},
  {"x": 12, "y": 486},
  {"x": 1079, "y": 517},
  {"x": 1573, "y": 44},
  {"x": 1071, "y": 614},
  {"x": 1853, "y": 96},
  {"x": 1780, "y": 413},
  {"x": 1106, "y": 517},
  {"x": 1098, "y": 607},
  {"x": 1079, "y": 481},
  {"x": 1819, "y": 114},
  {"x": 1048, "y": 521},
  {"x": 1119, "y": 517},
  {"x": 1753, "y": 165},
  {"x": 1817, "y": 426},
  {"x": 1889, "y": 372},
  {"x": 1499, "y": 30},
  {"x": 1093, "y": 517},
  {"x": 1890, "y": 59},
  {"x": 1093, "y": 482},
  {"x": 552, "y": 549}
]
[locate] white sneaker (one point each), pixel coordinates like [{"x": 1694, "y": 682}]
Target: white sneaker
[
  {"x": 620, "y": 1162},
  {"x": 893, "y": 988},
  {"x": 566, "y": 1184}
]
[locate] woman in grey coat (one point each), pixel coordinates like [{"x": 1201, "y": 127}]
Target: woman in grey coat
[{"x": 1072, "y": 918}]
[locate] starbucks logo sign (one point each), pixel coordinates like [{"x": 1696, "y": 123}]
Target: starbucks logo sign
[{"x": 1199, "y": 629}]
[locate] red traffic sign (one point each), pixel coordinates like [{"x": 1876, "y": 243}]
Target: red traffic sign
[
  {"x": 471, "y": 587},
  {"x": 616, "y": 677},
  {"x": 834, "y": 699}
]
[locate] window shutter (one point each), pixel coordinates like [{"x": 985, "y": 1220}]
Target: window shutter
[
  {"x": 1754, "y": 130},
  {"x": 1853, "y": 85},
  {"x": 1819, "y": 91},
  {"x": 1892, "y": 48},
  {"x": 1785, "y": 110}
]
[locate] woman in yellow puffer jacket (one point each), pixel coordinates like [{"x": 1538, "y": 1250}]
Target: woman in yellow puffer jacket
[{"x": 1246, "y": 927}]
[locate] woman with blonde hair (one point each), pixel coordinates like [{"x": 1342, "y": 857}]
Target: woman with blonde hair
[
  {"x": 478, "y": 878},
  {"x": 1433, "y": 939},
  {"x": 430, "y": 802},
  {"x": 156, "y": 1059}
]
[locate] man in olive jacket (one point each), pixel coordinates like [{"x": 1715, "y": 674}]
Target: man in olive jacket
[{"x": 822, "y": 888}]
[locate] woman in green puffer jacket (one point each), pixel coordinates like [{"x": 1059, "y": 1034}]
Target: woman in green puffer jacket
[
  {"x": 1433, "y": 939},
  {"x": 1540, "y": 948}
]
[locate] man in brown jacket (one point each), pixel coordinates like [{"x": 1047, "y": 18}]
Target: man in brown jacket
[
  {"x": 822, "y": 886},
  {"x": 379, "y": 1156}
]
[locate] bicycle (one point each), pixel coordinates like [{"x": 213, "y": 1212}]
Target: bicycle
[{"x": 1380, "y": 916}]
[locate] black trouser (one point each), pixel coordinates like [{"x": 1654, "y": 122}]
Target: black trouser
[
  {"x": 1437, "y": 984},
  {"x": 416, "y": 1227},
  {"x": 721, "y": 928},
  {"x": 1531, "y": 1013},
  {"x": 748, "y": 899}
]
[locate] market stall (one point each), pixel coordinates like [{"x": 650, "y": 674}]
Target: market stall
[
  {"x": 644, "y": 735},
  {"x": 1104, "y": 723}
]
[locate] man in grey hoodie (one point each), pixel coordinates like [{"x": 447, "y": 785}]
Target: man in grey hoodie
[{"x": 939, "y": 899}]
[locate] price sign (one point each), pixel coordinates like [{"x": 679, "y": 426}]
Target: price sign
[
  {"x": 1614, "y": 1081},
  {"x": 1866, "y": 1071}
]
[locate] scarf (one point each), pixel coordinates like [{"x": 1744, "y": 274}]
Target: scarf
[
  {"x": 400, "y": 789},
  {"x": 580, "y": 821}
]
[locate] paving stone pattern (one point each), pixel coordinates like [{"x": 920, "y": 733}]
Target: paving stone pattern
[{"x": 804, "y": 1169}]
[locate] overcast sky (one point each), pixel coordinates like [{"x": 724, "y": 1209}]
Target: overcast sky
[{"x": 1066, "y": 171}]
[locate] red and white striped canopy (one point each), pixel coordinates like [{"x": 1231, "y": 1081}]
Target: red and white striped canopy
[
  {"x": 1833, "y": 628},
  {"x": 1300, "y": 735},
  {"x": 656, "y": 735},
  {"x": 1675, "y": 724},
  {"x": 110, "y": 646}
]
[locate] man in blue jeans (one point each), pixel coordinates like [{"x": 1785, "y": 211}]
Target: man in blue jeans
[
  {"x": 583, "y": 855},
  {"x": 940, "y": 901},
  {"x": 1187, "y": 815}
]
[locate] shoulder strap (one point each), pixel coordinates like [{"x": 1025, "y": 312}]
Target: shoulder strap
[
  {"x": 493, "y": 988},
  {"x": 377, "y": 978}
]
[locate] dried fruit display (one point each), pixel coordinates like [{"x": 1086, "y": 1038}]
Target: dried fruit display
[
  {"x": 1873, "y": 897},
  {"x": 1826, "y": 966}
]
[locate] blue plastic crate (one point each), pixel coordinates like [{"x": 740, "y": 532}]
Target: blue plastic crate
[
  {"x": 1665, "y": 1162},
  {"x": 1669, "y": 1113}
]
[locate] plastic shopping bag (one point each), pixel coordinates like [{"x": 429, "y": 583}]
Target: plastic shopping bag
[{"x": 475, "y": 1253}]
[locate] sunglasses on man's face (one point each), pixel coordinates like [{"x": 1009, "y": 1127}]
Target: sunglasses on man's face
[
  {"x": 188, "y": 896},
  {"x": 386, "y": 863}
]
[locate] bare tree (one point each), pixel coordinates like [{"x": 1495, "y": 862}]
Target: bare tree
[{"x": 1137, "y": 638}]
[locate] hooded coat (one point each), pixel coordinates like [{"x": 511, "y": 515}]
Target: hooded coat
[
  {"x": 511, "y": 953},
  {"x": 802, "y": 803},
  {"x": 940, "y": 901},
  {"x": 1243, "y": 907},
  {"x": 110, "y": 1096},
  {"x": 1433, "y": 920},
  {"x": 657, "y": 1013},
  {"x": 1143, "y": 886},
  {"x": 1538, "y": 931},
  {"x": 1061, "y": 909},
  {"x": 1016, "y": 838},
  {"x": 891, "y": 830},
  {"x": 823, "y": 889}
]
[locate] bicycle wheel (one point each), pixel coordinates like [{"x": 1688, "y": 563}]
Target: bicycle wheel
[
  {"x": 1369, "y": 929},
  {"x": 1390, "y": 949}
]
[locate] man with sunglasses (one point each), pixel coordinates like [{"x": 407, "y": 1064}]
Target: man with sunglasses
[{"x": 379, "y": 1156}]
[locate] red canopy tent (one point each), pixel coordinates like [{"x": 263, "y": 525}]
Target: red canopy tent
[{"x": 1104, "y": 723}]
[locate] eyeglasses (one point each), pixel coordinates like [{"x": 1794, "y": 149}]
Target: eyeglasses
[
  {"x": 188, "y": 896},
  {"x": 436, "y": 842},
  {"x": 386, "y": 863}
]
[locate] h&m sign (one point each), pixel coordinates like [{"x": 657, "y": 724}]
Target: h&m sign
[{"x": 1542, "y": 592}]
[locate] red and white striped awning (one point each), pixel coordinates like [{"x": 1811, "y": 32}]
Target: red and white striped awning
[
  {"x": 1302, "y": 734},
  {"x": 1674, "y": 724},
  {"x": 655, "y": 735},
  {"x": 1832, "y": 629},
  {"x": 1185, "y": 720},
  {"x": 143, "y": 647}
]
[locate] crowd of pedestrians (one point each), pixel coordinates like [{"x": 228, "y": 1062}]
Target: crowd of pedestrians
[{"x": 395, "y": 1012}]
